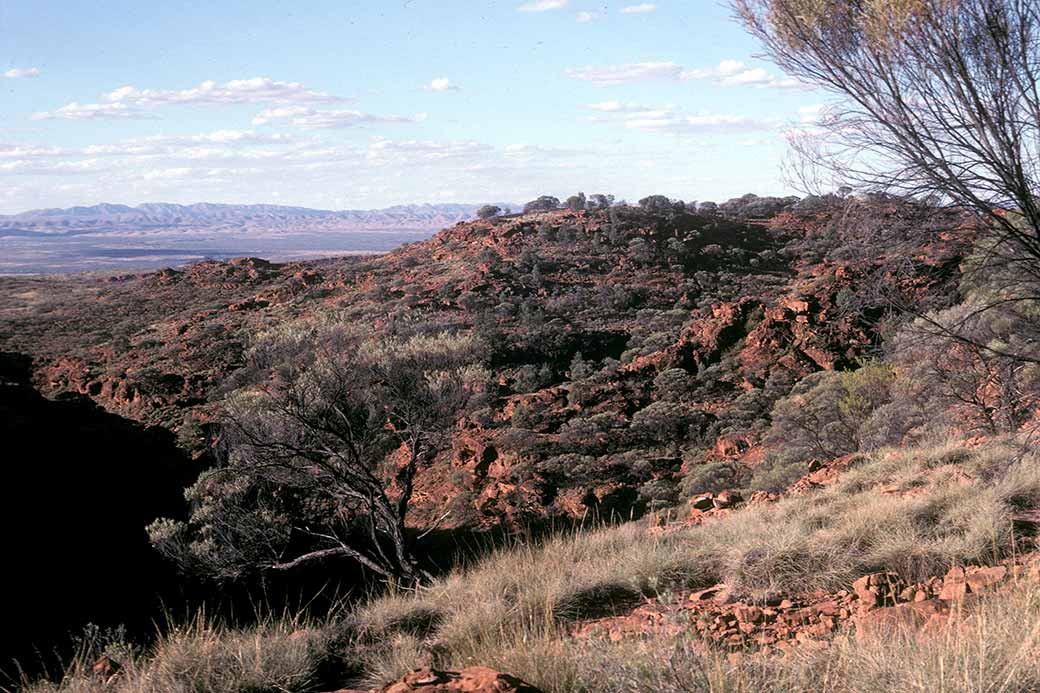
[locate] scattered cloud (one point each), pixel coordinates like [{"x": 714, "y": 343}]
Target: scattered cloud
[
  {"x": 24, "y": 151},
  {"x": 442, "y": 84},
  {"x": 543, "y": 5},
  {"x": 185, "y": 145},
  {"x": 531, "y": 152},
  {"x": 60, "y": 168},
  {"x": 639, "y": 9},
  {"x": 728, "y": 73},
  {"x": 586, "y": 17},
  {"x": 384, "y": 151},
  {"x": 618, "y": 107},
  {"x": 670, "y": 120},
  {"x": 309, "y": 118},
  {"x": 94, "y": 111},
  {"x": 237, "y": 91},
  {"x": 168, "y": 173},
  {"x": 613, "y": 75},
  {"x": 22, "y": 72},
  {"x": 131, "y": 102},
  {"x": 732, "y": 73}
]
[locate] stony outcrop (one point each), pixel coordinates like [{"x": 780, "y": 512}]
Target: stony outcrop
[{"x": 876, "y": 601}]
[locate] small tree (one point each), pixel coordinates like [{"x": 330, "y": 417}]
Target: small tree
[
  {"x": 488, "y": 212},
  {"x": 656, "y": 204},
  {"x": 599, "y": 201},
  {"x": 545, "y": 203},
  {"x": 935, "y": 99},
  {"x": 824, "y": 415},
  {"x": 576, "y": 203},
  {"x": 322, "y": 454}
]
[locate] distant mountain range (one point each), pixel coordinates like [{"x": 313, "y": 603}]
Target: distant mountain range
[{"x": 164, "y": 217}]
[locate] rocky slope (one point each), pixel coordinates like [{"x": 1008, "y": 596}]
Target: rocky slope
[{"x": 626, "y": 346}]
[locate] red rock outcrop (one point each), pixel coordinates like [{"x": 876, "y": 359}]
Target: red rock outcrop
[{"x": 876, "y": 601}]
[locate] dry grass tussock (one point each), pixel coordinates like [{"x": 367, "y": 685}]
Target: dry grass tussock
[
  {"x": 278, "y": 654},
  {"x": 917, "y": 511}
]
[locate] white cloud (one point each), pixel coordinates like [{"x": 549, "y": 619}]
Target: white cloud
[
  {"x": 441, "y": 84},
  {"x": 304, "y": 117},
  {"x": 729, "y": 73},
  {"x": 383, "y": 151},
  {"x": 734, "y": 73},
  {"x": 255, "y": 90},
  {"x": 677, "y": 123},
  {"x": 60, "y": 168},
  {"x": 131, "y": 102},
  {"x": 617, "y": 107},
  {"x": 613, "y": 75},
  {"x": 94, "y": 111},
  {"x": 185, "y": 145},
  {"x": 586, "y": 17},
  {"x": 543, "y": 5},
  {"x": 530, "y": 152},
  {"x": 22, "y": 151},
  {"x": 639, "y": 9},
  {"x": 669, "y": 120},
  {"x": 22, "y": 72},
  {"x": 168, "y": 173}
]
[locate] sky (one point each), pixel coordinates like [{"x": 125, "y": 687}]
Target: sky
[{"x": 358, "y": 104}]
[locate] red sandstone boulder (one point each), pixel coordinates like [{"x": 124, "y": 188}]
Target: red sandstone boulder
[
  {"x": 879, "y": 589},
  {"x": 927, "y": 614}
]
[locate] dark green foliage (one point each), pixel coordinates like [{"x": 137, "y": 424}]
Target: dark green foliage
[
  {"x": 545, "y": 203},
  {"x": 824, "y": 415}
]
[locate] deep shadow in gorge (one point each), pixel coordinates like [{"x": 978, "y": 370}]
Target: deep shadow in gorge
[{"x": 79, "y": 487}]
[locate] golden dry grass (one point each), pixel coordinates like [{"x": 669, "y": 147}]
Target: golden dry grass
[{"x": 917, "y": 511}]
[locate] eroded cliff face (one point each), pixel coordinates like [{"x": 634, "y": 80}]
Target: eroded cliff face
[{"x": 622, "y": 344}]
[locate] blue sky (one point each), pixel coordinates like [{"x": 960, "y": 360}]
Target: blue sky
[{"x": 360, "y": 104}]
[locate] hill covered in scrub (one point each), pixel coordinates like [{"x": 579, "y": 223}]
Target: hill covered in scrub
[
  {"x": 626, "y": 346},
  {"x": 764, "y": 384}
]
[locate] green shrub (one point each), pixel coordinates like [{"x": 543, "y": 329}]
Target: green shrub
[{"x": 825, "y": 412}]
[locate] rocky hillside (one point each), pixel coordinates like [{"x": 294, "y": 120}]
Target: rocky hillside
[{"x": 627, "y": 346}]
